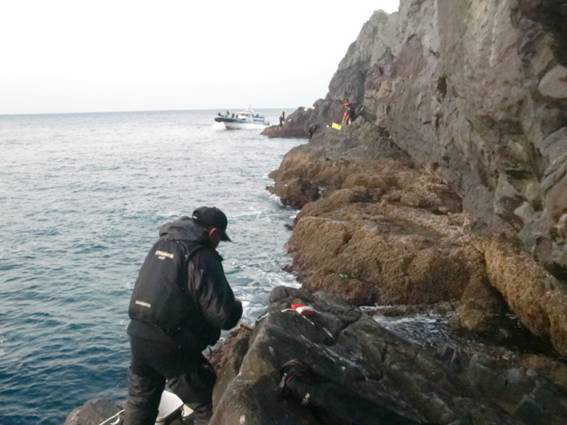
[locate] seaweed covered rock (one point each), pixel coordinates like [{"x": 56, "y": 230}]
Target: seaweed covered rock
[
  {"x": 381, "y": 231},
  {"x": 532, "y": 293},
  {"x": 378, "y": 231}
]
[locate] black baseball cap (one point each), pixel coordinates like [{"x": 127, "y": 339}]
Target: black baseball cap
[{"x": 212, "y": 217}]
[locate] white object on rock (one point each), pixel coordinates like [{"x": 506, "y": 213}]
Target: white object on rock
[
  {"x": 186, "y": 411},
  {"x": 169, "y": 405}
]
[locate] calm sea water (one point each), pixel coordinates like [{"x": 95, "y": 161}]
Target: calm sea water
[{"x": 81, "y": 199}]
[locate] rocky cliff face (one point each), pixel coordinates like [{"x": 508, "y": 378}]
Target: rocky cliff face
[
  {"x": 450, "y": 188},
  {"x": 479, "y": 90},
  {"x": 384, "y": 231},
  {"x": 451, "y": 185}
]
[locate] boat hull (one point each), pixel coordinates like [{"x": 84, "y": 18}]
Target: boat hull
[
  {"x": 243, "y": 125},
  {"x": 242, "y": 120}
]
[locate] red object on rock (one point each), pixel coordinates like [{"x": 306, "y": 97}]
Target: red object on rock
[{"x": 303, "y": 309}]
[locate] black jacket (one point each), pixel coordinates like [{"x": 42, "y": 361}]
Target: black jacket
[{"x": 210, "y": 299}]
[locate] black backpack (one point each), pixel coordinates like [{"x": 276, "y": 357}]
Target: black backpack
[{"x": 160, "y": 294}]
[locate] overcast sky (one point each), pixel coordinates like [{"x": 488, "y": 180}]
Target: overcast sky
[{"x": 123, "y": 55}]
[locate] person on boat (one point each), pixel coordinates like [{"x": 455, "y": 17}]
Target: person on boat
[
  {"x": 180, "y": 302},
  {"x": 282, "y": 118}
]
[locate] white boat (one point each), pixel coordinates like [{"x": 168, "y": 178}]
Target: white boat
[{"x": 247, "y": 119}]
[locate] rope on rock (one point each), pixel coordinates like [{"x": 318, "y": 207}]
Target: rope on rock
[{"x": 107, "y": 421}]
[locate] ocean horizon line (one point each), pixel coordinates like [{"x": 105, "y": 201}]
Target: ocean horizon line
[{"x": 20, "y": 114}]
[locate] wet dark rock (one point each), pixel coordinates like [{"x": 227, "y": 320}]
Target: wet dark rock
[
  {"x": 366, "y": 372},
  {"x": 93, "y": 412},
  {"x": 227, "y": 357},
  {"x": 297, "y": 125}
]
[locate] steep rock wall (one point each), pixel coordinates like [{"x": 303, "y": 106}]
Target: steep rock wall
[{"x": 479, "y": 89}]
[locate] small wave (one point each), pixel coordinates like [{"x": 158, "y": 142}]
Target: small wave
[
  {"x": 86, "y": 248},
  {"x": 170, "y": 215},
  {"x": 8, "y": 266},
  {"x": 423, "y": 329}
]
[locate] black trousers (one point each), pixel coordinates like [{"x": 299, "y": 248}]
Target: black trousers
[{"x": 189, "y": 375}]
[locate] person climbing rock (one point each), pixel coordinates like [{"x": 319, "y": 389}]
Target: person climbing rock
[
  {"x": 180, "y": 302},
  {"x": 282, "y": 118},
  {"x": 348, "y": 111}
]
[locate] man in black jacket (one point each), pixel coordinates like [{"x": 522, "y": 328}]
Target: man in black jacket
[{"x": 180, "y": 302}]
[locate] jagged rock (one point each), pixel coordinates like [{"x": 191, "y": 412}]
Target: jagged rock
[
  {"x": 227, "y": 358},
  {"x": 360, "y": 372},
  {"x": 555, "y": 144},
  {"x": 482, "y": 98},
  {"x": 555, "y": 370},
  {"x": 93, "y": 412},
  {"x": 459, "y": 113},
  {"x": 296, "y": 192},
  {"x": 296, "y": 125},
  {"x": 379, "y": 257},
  {"x": 555, "y": 186},
  {"x": 481, "y": 307},
  {"x": 538, "y": 298},
  {"x": 300, "y": 170},
  {"x": 372, "y": 46},
  {"x": 554, "y": 83},
  {"x": 381, "y": 232},
  {"x": 384, "y": 231},
  {"x": 294, "y": 187}
]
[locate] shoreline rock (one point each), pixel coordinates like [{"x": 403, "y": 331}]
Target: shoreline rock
[
  {"x": 456, "y": 160},
  {"x": 93, "y": 412},
  {"x": 383, "y": 232},
  {"x": 359, "y": 371}
]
